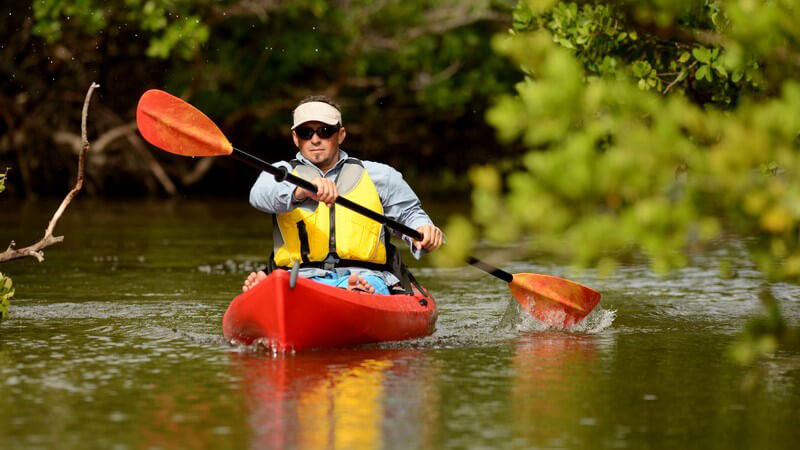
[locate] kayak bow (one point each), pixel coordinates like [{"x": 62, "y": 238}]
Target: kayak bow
[{"x": 314, "y": 315}]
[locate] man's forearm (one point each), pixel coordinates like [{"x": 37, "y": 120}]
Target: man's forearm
[{"x": 269, "y": 196}]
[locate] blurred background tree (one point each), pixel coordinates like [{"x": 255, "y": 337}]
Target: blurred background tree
[
  {"x": 414, "y": 79},
  {"x": 651, "y": 127}
]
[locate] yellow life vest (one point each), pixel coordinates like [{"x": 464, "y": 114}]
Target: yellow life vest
[{"x": 336, "y": 236}]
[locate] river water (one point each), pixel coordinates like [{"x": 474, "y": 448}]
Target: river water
[{"x": 115, "y": 342}]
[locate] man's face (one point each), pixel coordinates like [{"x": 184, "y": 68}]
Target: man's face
[{"x": 323, "y": 152}]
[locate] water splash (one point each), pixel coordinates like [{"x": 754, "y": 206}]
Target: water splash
[
  {"x": 263, "y": 345},
  {"x": 515, "y": 318},
  {"x": 597, "y": 321}
]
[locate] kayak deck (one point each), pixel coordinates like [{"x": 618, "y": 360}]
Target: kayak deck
[{"x": 314, "y": 315}]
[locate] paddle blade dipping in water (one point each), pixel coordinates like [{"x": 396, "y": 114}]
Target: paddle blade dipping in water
[{"x": 554, "y": 301}]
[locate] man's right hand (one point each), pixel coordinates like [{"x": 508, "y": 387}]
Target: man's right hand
[{"x": 326, "y": 191}]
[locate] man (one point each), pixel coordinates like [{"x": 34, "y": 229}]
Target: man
[{"x": 334, "y": 245}]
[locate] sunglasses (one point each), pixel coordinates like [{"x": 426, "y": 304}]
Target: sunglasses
[{"x": 324, "y": 132}]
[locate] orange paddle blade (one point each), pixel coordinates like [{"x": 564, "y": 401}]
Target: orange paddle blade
[
  {"x": 554, "y": 301},
  {"x": 173, "y": 125}
]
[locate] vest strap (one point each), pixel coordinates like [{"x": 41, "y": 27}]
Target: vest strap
[
  {"x": 305, "y": 248},
  {"x": 330, "y": 265}
]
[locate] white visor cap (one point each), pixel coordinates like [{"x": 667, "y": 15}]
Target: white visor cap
[{"x": 316, "y": 111}]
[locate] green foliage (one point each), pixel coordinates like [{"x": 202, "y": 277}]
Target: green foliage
[
  {"x": 6, "y": 294},
  {"x": 615, "y": 165},
  {"x": 170, "y": 24},
  {"x": 650, "y": 127},
  {"x": 608, "y": 42},
  {"x": 760, "y": 337},
  {"x": 3, "y": 180},
  {"x": 764, "y": 333},
  {"x": 460, "y": 234}
]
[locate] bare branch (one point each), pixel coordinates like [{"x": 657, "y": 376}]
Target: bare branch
[
  {"x": 67, "y": 138},
  {"x": 199, "y": 170},
  {"x": 258, "y": 8},
  {"x": 424, "y": 79},
  {"x": 48, "y": 239},
  {"x": 438, "y": 21},
  {"x": 100, "y": 144},
  {"x": 155, "y": 168},
  {"x": 678, "y": 78},
  {"x": 109, "y": 136}
]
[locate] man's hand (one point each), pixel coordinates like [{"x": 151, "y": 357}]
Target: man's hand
[
  {"x": 326, "y": 191},
  {"x": 431, "y": 238}
]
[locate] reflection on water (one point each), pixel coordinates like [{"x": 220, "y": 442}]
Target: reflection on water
[
  {"x": 552, "y": 372},
  {"x": 340, "y": 399},
  {"x": 115, "y": 342}
]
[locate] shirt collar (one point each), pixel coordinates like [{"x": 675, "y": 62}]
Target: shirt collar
[{"x": 342, "y": 158}]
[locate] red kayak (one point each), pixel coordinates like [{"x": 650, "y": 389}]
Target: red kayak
[{"x": 313, "y": 315}]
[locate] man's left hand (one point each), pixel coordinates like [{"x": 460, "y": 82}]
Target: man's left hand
[{"x": 432, "y": 238}]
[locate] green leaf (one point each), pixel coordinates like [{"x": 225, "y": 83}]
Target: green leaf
[
  {"x": 684, "y": 57},
  {"x": 721, "y": 71},
  {"x": 701, "y": 72},
  {"x": 702, "y": 55},
  {"x": 6, "y": 294}
]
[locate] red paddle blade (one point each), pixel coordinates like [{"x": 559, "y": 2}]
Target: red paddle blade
[
  {"x": 173, "y": 125},
  {"x": 554, "y": 301}
]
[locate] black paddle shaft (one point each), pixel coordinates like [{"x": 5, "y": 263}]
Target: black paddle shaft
[{"x": 282, "y": 174}]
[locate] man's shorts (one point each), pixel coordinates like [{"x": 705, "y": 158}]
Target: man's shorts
[{"x": 332, "y": 279}]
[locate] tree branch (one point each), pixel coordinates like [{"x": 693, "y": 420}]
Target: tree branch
[
  {"x": 155, "y": 168},
  {"x": 437, "y": 23},
  {"x": 199, "y": 170},
  {"x": 100, "y": 144},
  {"x": 48, "y": 239},
  {"x": 677, "y": 78}
]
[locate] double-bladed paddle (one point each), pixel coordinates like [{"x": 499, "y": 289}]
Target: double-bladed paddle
[{"x": 174, "y": 125}]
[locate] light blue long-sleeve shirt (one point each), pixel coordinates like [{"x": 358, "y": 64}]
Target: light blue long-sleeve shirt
[{"x": 399, "y": 202}]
